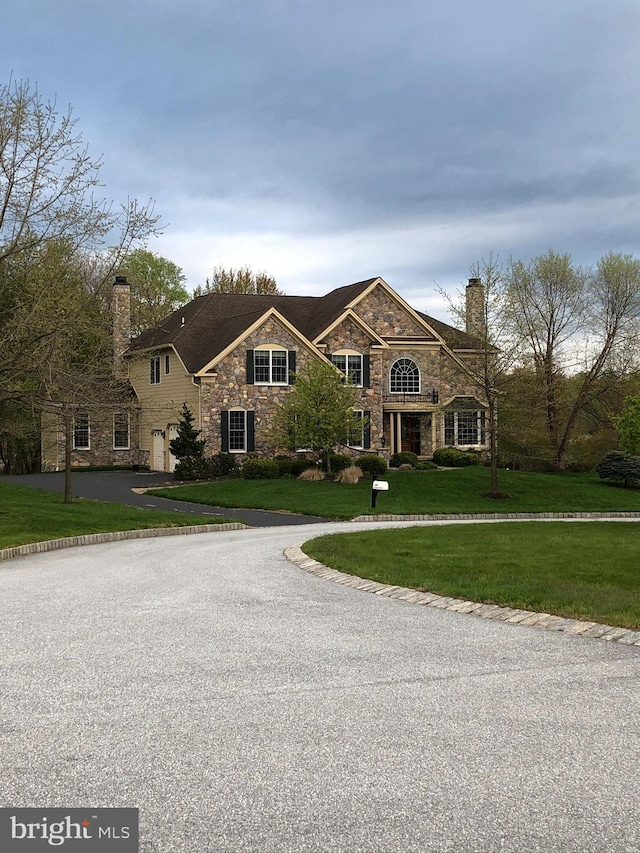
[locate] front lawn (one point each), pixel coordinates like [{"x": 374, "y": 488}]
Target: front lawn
[
  {"x": 581, "y": 570},
  {"x": 417, "y": 492},
  {"x": 32, "y": 515}
]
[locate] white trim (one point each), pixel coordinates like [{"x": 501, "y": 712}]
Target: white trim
[
  {"x": 154, "y": 362},
  {"x": 271, "y": 348}
]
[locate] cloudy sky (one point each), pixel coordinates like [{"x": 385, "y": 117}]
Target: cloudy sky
[{"x": 328, "y": 141}]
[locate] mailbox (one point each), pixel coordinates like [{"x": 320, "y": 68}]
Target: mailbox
[{"x": 378, "y": 486}]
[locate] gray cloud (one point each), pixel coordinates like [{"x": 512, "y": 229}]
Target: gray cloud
[{"x": 483, "y": 123}]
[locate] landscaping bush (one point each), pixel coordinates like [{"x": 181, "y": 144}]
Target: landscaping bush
[
  {"x": 300, "y": 465},
  {"x": 350, "y": 475},
  {"x": 222, "y": 465},
  {"x": 426, "y": 466},
  {"x": 619, "y": 468},
  {"x": 339, "y": 461},
  {"x": 450, "y": 457},
  {"x": 312, "y": 474},
  {"x": 373, "y": 465},
  {"x": 260, "y": 469},
  {"x": 284, "y": 466},
  {"x": 191, "y": 468},
  {"x": 405, "y": 457}
]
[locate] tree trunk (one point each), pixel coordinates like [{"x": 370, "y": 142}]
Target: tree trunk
[
  {"x": 493, "y": 448},
  {"x": 68, "y": 443}
]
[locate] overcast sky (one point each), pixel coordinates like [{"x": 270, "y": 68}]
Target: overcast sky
[{"x": 330, "y": 141}]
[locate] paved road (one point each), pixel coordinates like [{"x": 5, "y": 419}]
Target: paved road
[
  {"x": 116, "y": 486},
  {"x": 245, "y": 705}
]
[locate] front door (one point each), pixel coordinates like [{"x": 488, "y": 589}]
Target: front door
[
  {"x": 157, "y": 456},
  {"x": 411, "y": 433}
]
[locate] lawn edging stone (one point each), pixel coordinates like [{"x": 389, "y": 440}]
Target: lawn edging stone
[
  {"x": 545, "y": 621},
  {"x": 499, "y": 516},
  {"x": 112, "y": 536}
]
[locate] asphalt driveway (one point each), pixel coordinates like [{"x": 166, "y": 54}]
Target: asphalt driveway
[
  {"x": 117, "y": 487},
  {"x": 245, "y": 705}
]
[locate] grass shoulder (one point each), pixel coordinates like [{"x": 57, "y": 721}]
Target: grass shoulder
[
  {"x": 580, "y": 570},
  {"x": 33, "y": 515}
]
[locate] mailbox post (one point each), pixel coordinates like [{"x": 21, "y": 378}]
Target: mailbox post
[{"x": 378, "y": 486}]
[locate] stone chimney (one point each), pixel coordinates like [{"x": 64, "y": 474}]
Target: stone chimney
[
  {"x": 475, "y": 316},
  {"x": 121, "y": 307}
]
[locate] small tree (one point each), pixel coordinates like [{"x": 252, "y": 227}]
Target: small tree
[
  {"x": 318, "y": 412},
  {"x": 187, "y": 446},
  {"x": 242, "y": 280},
  {"x": 619, "y": 468},
  {"x": 628, "y": 426}
]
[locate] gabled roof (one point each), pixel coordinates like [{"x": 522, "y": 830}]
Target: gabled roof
[{"x": 207, "y": 325}]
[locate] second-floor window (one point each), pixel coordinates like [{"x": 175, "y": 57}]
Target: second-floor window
[
  {"x": 154, "y": 370},
  {"x": 404, "y": 377},
  {"x": 350, "y": 365},
  {"x": 271, "y": 365}
]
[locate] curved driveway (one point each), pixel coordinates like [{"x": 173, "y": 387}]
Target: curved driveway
[{"x": 245, "y": 705}]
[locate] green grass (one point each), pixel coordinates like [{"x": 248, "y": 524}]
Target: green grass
[
  {"x": 582, "y": 570},
  {"x": 32, "y": 515},
  {"x": 462, "y": 490}
]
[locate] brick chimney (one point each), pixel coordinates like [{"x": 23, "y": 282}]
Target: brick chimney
[
  {"x": 475, "y": 315},
  {"x": 121, "y": 307}
]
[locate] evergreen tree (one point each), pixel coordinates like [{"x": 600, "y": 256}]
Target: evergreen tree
[{"x": 187, "y": 445}]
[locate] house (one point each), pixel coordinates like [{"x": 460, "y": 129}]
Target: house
[{"x": 232, "y": 358}]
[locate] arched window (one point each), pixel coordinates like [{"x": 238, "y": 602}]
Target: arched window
[{"x": 405, "y": 377}]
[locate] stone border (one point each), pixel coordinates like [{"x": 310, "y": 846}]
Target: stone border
[
  {"x": 486, "y": 611},
  {"x": 496, "y": 516},
  {"x": 113, "y": 536}
]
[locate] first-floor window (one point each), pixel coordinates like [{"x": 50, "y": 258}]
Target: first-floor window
[
  {"x": 464, "y": 428},
  {"x": 237, "y": 428},
  {"x": 356, "y": 438},
  {"x": 81, "y": 431},
  {"x": 121, "y": 431},
  {"x": 237, "y": 431}
]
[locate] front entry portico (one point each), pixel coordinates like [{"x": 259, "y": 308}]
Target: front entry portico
[{"x": 410, "y": 431}]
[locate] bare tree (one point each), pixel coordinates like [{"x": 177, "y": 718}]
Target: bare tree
[
  {"x": 569, "y": 319},
  {"x": 49, "y": 213},
  {"x": 496, "y": 350}
]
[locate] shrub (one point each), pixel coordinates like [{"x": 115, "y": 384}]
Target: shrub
[
  {"x": 312, "y": 474},
  {"x": 260, "y": 469},
  {"x": 222, "y": 464},
  {"x": 192, "y": 469},
  {"x": 350, "y": 475},
  {"x": 405, "y": 457},
  {"x": 373, "y": 465},
  {"x": 300, "y": 465},
  {"x": 426, "y": 466},
  {"x": 339, "y": 461},
  {"x": 284, "y": 466},
  {"x": 619, "y": 468},
  {"x": 450, "y": 457}
]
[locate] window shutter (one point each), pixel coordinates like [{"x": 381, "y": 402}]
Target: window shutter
[
  {"x": 249, "y": 367},
  {"x": 251, "y": 431},
  {"x": 292, "y": 366},
  {"x": 367, "y": 428},
  {"x": 366, "y": 371},
  {"x": 224, "y": 431}
]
